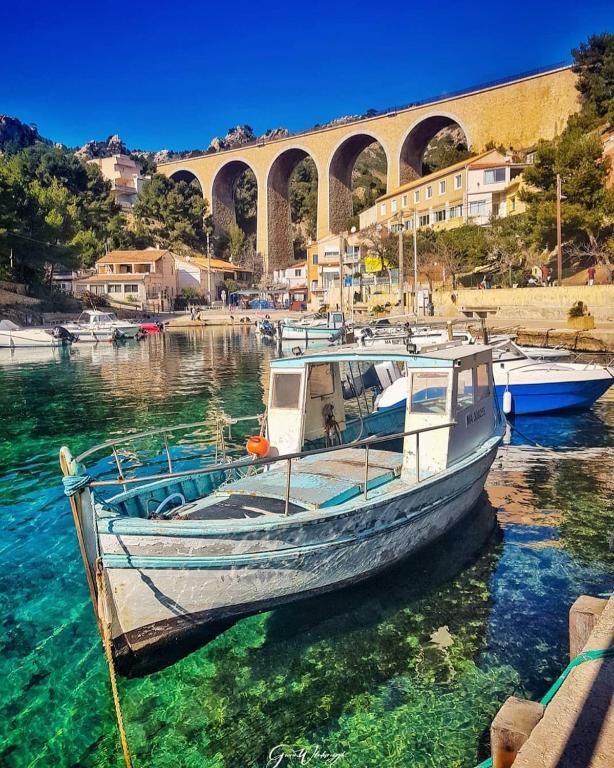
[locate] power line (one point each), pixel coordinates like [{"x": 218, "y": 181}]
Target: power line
[{"x": 41, "y": 242}]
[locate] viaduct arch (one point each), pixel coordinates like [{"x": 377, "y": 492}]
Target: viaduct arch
[{"x": 516, "y": 113}]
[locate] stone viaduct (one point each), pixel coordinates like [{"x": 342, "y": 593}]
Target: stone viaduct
[{"x": 515, "y": 113}]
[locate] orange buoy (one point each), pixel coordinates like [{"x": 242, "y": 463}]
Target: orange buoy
[{"x": 258, "y": 446}]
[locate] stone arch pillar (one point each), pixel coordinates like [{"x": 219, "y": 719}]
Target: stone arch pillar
[{"x": 279, "y": 237}]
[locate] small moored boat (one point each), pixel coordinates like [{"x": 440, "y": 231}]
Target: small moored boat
[
  {"x": 327, "y": 327},
  {"x": 93, "y": 325},
  {"x": 174, "y": 557},
  {"x": 12, "y": 336},
  {"x": 526, "y": 385}
]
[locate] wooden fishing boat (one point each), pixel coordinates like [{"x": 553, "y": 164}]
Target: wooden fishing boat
[{"x": 329, "y": 501}]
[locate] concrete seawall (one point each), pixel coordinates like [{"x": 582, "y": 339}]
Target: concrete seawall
[{"x": 529, "y": 303}]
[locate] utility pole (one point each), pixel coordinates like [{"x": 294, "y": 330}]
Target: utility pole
[
  {"x": 401, "y": 292},
  {"x": 415, "y": 228},
  {"x": 559, "y": 253},
  {"x": 208, "y": 268}
]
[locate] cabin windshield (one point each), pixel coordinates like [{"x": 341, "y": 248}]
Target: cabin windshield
[
  {"x": 286, "y": 390},
  {"x": 429, "y": 392},
  {"x": 507, "y": 351}
]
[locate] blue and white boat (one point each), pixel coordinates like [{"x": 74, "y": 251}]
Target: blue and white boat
[
  {"x": 314, "y": 328},
  {"x": 174, "y": 557},
  {"x": 525, "y": 385}
]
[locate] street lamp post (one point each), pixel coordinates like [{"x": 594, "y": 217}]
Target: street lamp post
[
  {"x": 401, "y": 292},
  {"x": 415, "y": 233},
  {"x": 208, "y": 269},
  {"x": 559, "y": 252}
]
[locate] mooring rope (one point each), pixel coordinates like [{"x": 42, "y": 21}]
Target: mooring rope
[
  {"x": 105, "y": 625},
  {"x": 601, "y": 653}
]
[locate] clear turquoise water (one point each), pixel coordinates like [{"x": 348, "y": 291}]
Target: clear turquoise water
[{"x": 408, "y": 669}]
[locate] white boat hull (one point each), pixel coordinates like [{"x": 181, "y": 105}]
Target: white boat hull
[
  {"x": 28, "y": 338},
  {"x": 217, "y": 578},
  {"x": 308, "y": 333},
  {"x": 104, "y": 333}
]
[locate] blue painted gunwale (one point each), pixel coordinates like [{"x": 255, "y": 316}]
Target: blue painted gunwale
[{"x": 205, "y": 529}]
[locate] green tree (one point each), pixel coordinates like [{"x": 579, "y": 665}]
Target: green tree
[
  {"x": 236, "y": 243},
  {"x": 172, "y": 213},
  {"x": 594, "y": 66},
  {"x": 53, "y": 209},
  {"x": 588, "y": 203}
]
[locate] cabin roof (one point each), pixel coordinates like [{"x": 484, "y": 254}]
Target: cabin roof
[{"x": 440, "y": 358}]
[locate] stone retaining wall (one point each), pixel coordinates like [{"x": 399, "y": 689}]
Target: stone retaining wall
[{"x": 530, "y": 303}]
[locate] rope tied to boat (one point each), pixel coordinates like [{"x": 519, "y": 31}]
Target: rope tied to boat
[
  {"x": 594, "y": 655},
  {"x": 75, "y": 483},
  {"x": 105, "y": 631}
]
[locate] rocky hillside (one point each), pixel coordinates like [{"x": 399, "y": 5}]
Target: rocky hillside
[{"x": 18, "y": 135}]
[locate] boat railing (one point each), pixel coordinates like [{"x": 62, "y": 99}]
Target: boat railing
[
  {"x": 222, "y": 421},
  {"x": 247, "y": 463}
]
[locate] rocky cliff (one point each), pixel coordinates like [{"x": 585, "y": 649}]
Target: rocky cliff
[{"x": 18, "y": 135}]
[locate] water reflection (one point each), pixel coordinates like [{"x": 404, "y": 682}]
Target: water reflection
[{"x": 407, "y": 669}]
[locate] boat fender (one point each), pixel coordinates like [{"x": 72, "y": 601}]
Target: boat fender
[
  {"x": 507, "y": 402},
  {"x": 258, "y": 446}
]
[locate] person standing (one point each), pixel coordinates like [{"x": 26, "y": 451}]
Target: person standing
[
  {"x": 545, "y": 275},
  {"x": 591, "y": 275}
]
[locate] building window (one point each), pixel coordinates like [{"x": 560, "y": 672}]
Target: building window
[
  {"x": 442, "y": 187},
  {"x": 429, "y": 192},
  {"x": 423, "y": 221},
  {"x": 458, "y": 181},
  {"x": 393, "y": 206},
  {"x": 297, "y": 273},
  {"x": 417, "y": 196},
  {"x": 115, "y": 289},
  {"x": 315, "y": 258},
  {"x": 382, "y": 209},
  {"x": 494, "y": 176},
  {"x": 477, "y": 208},
  {"x": 440, "y": 215},
  {"x": 128, "y": 288},
  {"x": 455, "y": 212},
  {"x": 404, "y": 201},
  {"x": 513, "y": 204}
]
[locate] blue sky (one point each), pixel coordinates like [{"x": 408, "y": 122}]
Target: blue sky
[{"x": 172, "y": 75}]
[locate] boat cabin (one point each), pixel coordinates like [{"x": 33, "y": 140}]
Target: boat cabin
[
  {"x": 308, "y": 402},
  {"x": 94, "y": 318}
]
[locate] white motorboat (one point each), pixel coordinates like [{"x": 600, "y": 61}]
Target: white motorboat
[
  {"x": 525, "y": 385},
  {"x": 327, "y": 328},
  {"x": 12, "y": 336},
  {"x": 93, "y": 325},
  {"x": 175, "y": 557}
]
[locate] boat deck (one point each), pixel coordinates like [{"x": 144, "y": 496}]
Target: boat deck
[{"x": 317, "y": 482}]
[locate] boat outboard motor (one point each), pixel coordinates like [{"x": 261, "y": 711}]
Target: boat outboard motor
[
  {"x": 267, "y": 328},
  {"x": 59, "y": 332}
]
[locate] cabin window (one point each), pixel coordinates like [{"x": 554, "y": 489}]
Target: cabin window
[
  {"x": 286, "y": 390},
  {"x": 464, "y": 391},
  {"x": 429, "y": 392},
  {"x": 321, "y": 383},
  {"x": 482, "y": 382}
]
